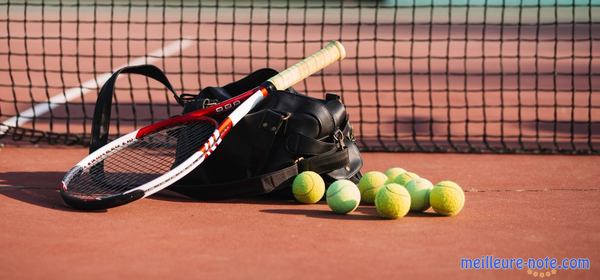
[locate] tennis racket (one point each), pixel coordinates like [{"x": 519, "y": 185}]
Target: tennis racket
[{"x": 152, "y": 158}]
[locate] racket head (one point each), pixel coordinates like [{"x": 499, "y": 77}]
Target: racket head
[{"x": 139, "y": 164}]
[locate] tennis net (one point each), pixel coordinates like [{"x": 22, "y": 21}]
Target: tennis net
[{"x": 423, "y": 75}]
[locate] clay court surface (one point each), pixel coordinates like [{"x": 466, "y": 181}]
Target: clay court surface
[
  {"x": 516, "y": 206},
  {"x": 529, "y": 85}
]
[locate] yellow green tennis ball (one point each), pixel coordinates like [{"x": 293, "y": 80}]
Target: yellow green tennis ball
[
  {"x": 392, "y": 201},
  {"x": 419, "y": 190},
  {"x": 393, "y": 172},
  {"x": 447, "y": 198},
  {"x": 369, "y": 184},
  {"x": 308, "y": 187},
  {"x": 405, "y": 177},
  {"x": 343, "y": 196}
]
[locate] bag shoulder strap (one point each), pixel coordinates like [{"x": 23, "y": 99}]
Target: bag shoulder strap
[{"x": 102, "y": 111}]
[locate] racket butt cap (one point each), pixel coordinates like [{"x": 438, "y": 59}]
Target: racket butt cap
[{"x": 340, "y": 48}]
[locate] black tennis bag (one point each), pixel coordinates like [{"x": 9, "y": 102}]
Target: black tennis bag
[{"x": 287, "y": 133}]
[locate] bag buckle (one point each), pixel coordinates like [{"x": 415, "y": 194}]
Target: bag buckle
[
  {"x": 185, "y": 98},
  {"x": 351, "y": 133},
  {"x": 273, "y": 120},
  {"x": 209, "y": 102},
  {"x": 338, "y": 136}
]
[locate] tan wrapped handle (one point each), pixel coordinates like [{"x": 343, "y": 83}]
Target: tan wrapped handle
[{"x": 331, "y": 53}]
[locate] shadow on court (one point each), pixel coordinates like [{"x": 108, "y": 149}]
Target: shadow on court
[
  {"x": 36, "y": 188},
  {"x": 272, "y": 200},
  {"x": 321, "y": 214},
  {"x": 362, "y": 213},
  {"x": 41, "y": 189}
]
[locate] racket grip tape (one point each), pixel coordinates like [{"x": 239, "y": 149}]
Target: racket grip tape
[{"x": 331, "y": 53}]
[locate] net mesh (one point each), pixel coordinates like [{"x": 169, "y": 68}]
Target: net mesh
[{"x": 423, "y": 75}]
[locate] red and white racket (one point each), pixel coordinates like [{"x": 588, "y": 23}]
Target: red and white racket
[{"x": 152, "y": 158}]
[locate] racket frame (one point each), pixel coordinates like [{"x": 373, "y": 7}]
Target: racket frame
[{"x": 146, "y": 189}]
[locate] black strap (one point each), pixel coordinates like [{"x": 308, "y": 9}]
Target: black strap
[
  {"x": 303, "y": 145},
  {"x": 102, "y": 111},
  {"x": 265, "y": 183},
  {"x": 326, "y": 162}
]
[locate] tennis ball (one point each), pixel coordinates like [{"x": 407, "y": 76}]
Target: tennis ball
[
  {"x": 343, "y": 196},
  {"x": 405, "y": 177},
  {"x": 393, "y": 172},
  {"x": 369, "y": 184},
  {"x": 392, "y": 201},
  {"x": 308, "y": 187},
  {"x": 447, "y": 198},
  {"x": 419, "y": 189}
]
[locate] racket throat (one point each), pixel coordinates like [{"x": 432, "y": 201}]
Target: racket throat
[{"x": 214, "y": 140}]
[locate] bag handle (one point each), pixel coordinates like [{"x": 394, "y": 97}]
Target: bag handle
[{"x": 102, "y": 110}]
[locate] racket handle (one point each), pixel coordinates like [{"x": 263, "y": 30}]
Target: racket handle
[{"x": 331, "y": 53}]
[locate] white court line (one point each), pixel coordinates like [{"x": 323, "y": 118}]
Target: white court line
[{"x": 44, "y": 107}]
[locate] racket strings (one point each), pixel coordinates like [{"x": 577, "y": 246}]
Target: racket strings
[
  {"x": 141, "y": 161},
  {"x": 113, "y": 170}
]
